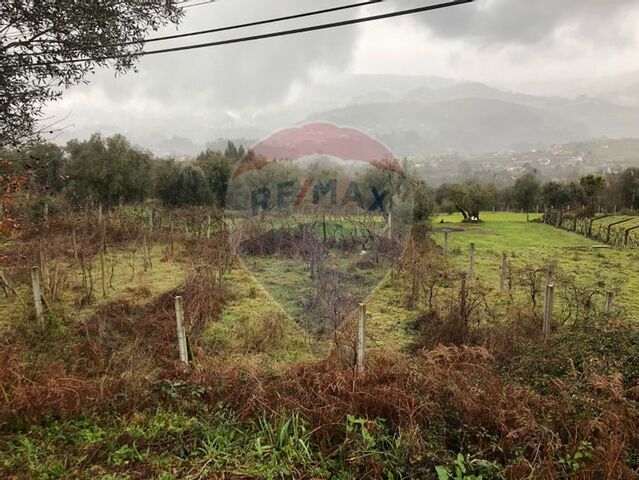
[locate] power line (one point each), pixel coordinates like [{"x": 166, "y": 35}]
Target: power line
[
  {"x": 259, "y": 22},
  {"x": 205, "y": 2},
  {"x": 281, "y": 33},
  {"x": 221, "y": 29}
]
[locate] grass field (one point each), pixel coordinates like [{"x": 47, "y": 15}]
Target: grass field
[
  {"x": 613, "y": 269},
  {"x": 109, "y": 400},
  {"x": 277, "y": 287}
]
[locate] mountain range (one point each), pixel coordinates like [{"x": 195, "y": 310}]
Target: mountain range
[
  {"x": 476, "y": 118},
  {"x": 418, "y": 116}
]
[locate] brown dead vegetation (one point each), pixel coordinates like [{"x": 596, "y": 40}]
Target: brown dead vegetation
[
  {"x": 459, "y": 391},
  {"x": 462, "y": 393}
]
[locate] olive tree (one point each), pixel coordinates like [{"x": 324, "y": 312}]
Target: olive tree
[{"x": 47, "y": 46}]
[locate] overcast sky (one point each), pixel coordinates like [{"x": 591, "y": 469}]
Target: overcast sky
[{"x": 550, "y": 46}]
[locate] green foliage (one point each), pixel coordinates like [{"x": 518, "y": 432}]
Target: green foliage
[
  {"x": 578, "y": 460},
  {"x": 593, "y": 186},
  {"x": 180, "y": 185},
  {"x": 233, "y": 152},
  {"x": 107, "y": 171},
  {"x": 423, "y": 202},
  {"x": 616, "y": 191},
  {"x": 217, "y": 169},
  {"x": 126, "y": 455},
  {"x": 192, "y": 187},
  {"x": 69, "y": 30},
  {"x": 373, "y": 444},
  {"x": 43, "y": 163},
  {"x": 615, "y": 346},
  {"x": 559, "y": 195},
  {"x": 160, "y": 442},
  {"x": 166, "y": 174},
  {"x": 629, "y": 187},
  {"x": 526, "y": 191},
  {"x": 463, "y": 469},
  {"x": 469, "y": 198}
]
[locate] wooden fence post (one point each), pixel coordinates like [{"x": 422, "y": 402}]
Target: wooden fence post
[
  {"x": 37, "y": 296},
  {"x": 548, "y": 309},
  {"x": 6, "y": 286},
  {"x": 471, "y": 266},
  {"x": 208, "y": 227},
  {"x": 502, "y": 273},
  {"x": 76, "y": 255},
  {"x": 445, "y": 244},
  {"x": 608, "y": 304},
  {"x": 146, "y": 253},
  {"x": 150, "y": 219},
  {"x": 359, "y": 351},
  {"x": 102, "y": 252},
  {"x": 103, "y": 273},
  {"x": 181, "y": 333},
  {"x": 172, "y": 239}
]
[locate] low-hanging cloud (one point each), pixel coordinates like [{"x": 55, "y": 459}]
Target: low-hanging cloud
[
  {"x": 249, "y": 89},
  {"x": 509, "y": 22},
  {"x": 204, "y": 83}
]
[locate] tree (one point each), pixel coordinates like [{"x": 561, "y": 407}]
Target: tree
[
  {"x": 193, "y": 188},
  {"x": 180, "y": 185},
  {"x": 504, "y": 198},
  {"x": 166, "y": 178},
  {"x": 45, "y": 163},
  {"x": 555, "y": 195},
  {"x": 422, "y": 202},
  {"x": 232, "y": 152},
  {"x": 108, "y": 171},
  {"x": 593, "y": 186},
  {"x": 41, "y": 41},
  {"x": 470, "y": 198},
  {"x": 10, "y": 183},
  {"x": 526, "y": 192},
  {"x": 629, "y": 187},
  {"x": 218, "y": 169}
]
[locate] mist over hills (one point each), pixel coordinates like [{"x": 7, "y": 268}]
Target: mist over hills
[
  {"x": 476, "y": 118},
  {"x": 419, "y": 116}
]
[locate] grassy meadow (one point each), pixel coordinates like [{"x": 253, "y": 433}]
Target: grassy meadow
[
  {"x": 100, "y": 394},
  {"x": 591, "y": 263}
]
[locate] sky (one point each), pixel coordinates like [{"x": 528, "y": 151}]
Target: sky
[{"x": 564, "y": 47}]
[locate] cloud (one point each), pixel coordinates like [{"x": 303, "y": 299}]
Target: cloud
[
  {"x": 234, "y": 76},
  {"x": 512, "y": 22},
  {"x": 211, "y": 86},
  {"x": 270, "y": 84}
]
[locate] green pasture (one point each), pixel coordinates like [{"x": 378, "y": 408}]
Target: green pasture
[
  {"x": 592, "y": 264},
  {"x": 274, "y": 291},
  {"x": 250, "y": 309}
]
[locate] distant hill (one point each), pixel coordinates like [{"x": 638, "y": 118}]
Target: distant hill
[
  {"x": 413, "y": 115},
  {"x": 473, "y": 117},
  {"x": 467, "y": 124}
]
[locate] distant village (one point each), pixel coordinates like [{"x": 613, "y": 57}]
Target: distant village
[{"x": 559, "y": 162}]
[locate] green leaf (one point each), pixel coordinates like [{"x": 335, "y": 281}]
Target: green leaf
[{"x": 442, "y": 473}]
